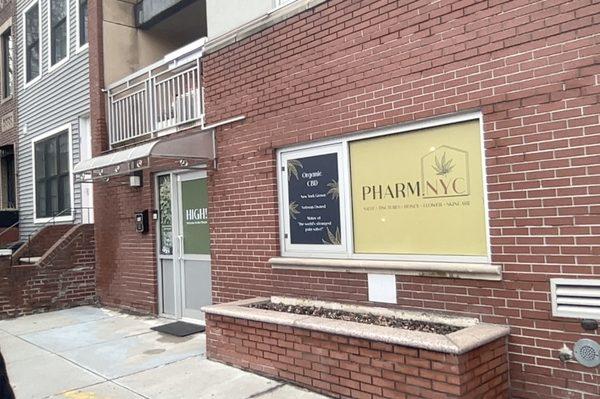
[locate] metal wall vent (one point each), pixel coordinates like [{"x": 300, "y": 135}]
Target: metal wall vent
[
  {"x": 575, "y": 298},
  {"x": 587, "y": 352}
]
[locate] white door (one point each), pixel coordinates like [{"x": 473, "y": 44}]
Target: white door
[{"x": 184, "y": 245}]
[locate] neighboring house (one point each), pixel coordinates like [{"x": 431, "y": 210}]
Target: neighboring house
[
  {"x": 53, "y": 85},
  {"x": 457, "y": 144},
  {"x": 8, "y": 126}
]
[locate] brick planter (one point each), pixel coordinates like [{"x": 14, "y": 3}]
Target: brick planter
[{"x": 347, "y": 359}]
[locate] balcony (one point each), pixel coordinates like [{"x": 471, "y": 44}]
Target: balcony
[{"x": 160, "y": 99}]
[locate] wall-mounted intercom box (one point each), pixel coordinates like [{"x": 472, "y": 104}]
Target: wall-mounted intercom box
[{"x": 141, "y": 222}]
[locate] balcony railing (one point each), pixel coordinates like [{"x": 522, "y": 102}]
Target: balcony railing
[{"x": 157, "y": 99}]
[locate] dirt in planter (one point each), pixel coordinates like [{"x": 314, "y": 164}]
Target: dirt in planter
[{"x": 366, "y": 318}]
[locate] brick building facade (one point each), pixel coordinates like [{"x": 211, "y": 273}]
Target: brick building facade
[
  {"x": 8, "y": 130},
  {"x": 8, "y": 123},
  {"x": 345, "y": 67}
]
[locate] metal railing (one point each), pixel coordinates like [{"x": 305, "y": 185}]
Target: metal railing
[{"x": 163, "y": 96}]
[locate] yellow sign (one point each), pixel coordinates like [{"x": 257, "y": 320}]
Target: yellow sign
[{"x": 420, "y": 193}]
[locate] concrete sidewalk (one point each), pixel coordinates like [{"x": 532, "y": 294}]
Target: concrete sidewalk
[{"x": 91, "y": 353}]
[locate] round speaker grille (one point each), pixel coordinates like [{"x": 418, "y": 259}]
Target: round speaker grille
[{"x": 587, "y": 352}]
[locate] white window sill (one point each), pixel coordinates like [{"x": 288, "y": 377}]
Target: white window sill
[
  {"x": 471, "y": 271},
  {"x": 54, "y": 67},
  {"x": 28, "y": 83}
]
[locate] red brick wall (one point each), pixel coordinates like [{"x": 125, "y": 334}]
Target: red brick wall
[
  {"x": 64, "y": 277},
  {"x": 126, "y": 264},
  {"x": 8, "y": 236},
  {"x": 356, "y": 368},
  {"x": 42, "y": 241},
  {"x": 531, "y": 67},
  {"x": 126, "y": 272}
]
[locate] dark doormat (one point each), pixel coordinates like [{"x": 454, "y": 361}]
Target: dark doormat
[{"x": 180, "y": 329}]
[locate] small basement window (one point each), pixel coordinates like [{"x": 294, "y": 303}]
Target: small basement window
[
  {"x": 575, "y": 298},
  {"x": 411, "y": 193}
]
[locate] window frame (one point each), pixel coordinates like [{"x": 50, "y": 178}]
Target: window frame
[
  {"x": 43, "y": 137},
  {"x": 346, "y": 191},
  {"x": 52, "y": 67},
  {"x": 8, "y": 186},
  {"x": 333, "y": 251},
  {"x": 28, "y": 83},
  {"x": 80, "y": 46},
  {"x": 3, "y": 68}
]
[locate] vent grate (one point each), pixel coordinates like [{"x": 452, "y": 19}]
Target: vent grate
[{"x": 575, "y": 298}]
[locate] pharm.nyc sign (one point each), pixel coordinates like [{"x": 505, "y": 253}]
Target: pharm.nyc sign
[{"x": 444, "y": 173}]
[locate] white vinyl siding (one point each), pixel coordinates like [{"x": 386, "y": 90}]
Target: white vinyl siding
[{"x": 38, "y": 108}]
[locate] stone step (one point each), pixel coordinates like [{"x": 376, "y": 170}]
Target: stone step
[{"x": 30, "y": 260}]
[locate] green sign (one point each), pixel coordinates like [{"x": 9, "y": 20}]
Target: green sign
[{"x": 194, "y": 199}]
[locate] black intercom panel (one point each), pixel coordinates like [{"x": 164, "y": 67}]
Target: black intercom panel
[{"x": 141, "y": 222}]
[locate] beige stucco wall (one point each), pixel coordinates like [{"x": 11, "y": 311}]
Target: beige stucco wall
[
  {"x": 127, "y": 49},
  {"x": 223, "y": 16}
]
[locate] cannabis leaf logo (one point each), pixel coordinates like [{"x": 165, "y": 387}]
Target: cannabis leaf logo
[
  {"x": 443, "y": 166},
  {"x": 293, "y": 165},
  {"x": 333, "y": 239},
  {"x": 294, "y": 210},
  {"x": 334, "y": 189}
]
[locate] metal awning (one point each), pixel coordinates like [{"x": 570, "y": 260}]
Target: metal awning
[{"x": 197, "y": 147}]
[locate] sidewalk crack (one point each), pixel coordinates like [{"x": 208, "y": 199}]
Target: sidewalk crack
[{"x": 266, "y": 391}]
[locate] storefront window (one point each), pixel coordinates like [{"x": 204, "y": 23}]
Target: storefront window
[
  {"x": 412, "y": 195},
  {"x": 313, "y": 221}
]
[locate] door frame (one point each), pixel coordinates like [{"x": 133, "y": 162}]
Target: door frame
[
  {"x": 181, "y": 177},
  {"x": 158, "y": 255},
  {"x": 177, "y": 233}
]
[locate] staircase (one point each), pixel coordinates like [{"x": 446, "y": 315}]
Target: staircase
[
  {"x": 53, "y": 269},
  {"x": 32, "y": 251}
]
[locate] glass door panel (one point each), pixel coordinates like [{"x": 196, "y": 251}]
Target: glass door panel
[{"x": 195, "y": 240}]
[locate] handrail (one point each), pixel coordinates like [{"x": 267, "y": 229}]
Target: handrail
[{"x": 158, "y": 98}]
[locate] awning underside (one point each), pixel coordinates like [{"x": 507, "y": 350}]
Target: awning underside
[{"x": 197, "y": 147}]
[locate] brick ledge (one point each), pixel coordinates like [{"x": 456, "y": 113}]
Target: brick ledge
[
  {"x": 472, "y": 271},
  {"x": 458, "y": 342}
]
